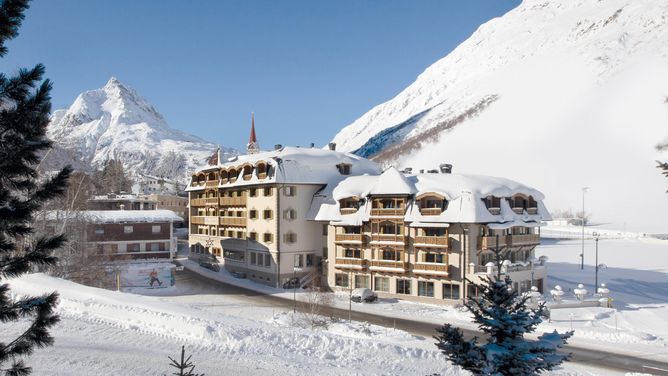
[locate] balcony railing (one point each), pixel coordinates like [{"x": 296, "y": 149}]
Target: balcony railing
[
  {"x": 430, "y": 268},
  {"x": 211, "y": 201},
  {"x": 198, "y": 202},
  {"x": 349, "y": 238},
  {"x": 518, "y": 210},
  {"x": 346, "y": 211},
  {"x": 382, "y": 212},
  {"x": 519, "y": 240},
  {"x": 431, "y": 211},
  {"x": 388, "y": 264},
  {"x": 211, "y": 183},
  {"x": 532, "y": 211},
  {"x": 482, "y": 269},
  {"x": 490, "y": 242},
  {"x": 233, "y": 201},
  {"x": 494, "y": 211},
  {"x": 232, "y": 221},
  {"x": 388, "y": 238},
  {"x": 261, "y": 175},
  {"x": 204, "y": 220},
  {"x": 438, "y": 241},
  {"x": 351, "y": 263}
]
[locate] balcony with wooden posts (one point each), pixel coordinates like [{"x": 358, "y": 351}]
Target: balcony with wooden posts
[
  {"x": 431, "y": 268},
  {"x": 387, "y": 212},
  {"x": 523, "y": 240},
  {"x": 431, "y": 211},
  {"x": 491, "y": 242},
  {"x": 349, "y": 238},
  {"x": 232, "y": 221},
  {"x": 388, "y": 238},
  {"x": 432, "y": 241},
  {"x": 233, "y": 201},
  {"x": 532, "y": 211},
  {"x": 198, "y": 202},
  {"x": 211, "y": 183},
  {"x": 346, "y": 211},
  {"x": 351, "y": 263},
  {"x": 388, "y": 266},
  {"x": 204, "y": 220}
]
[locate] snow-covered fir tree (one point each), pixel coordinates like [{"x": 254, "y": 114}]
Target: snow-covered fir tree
[
  {"x": 24, "y": 114},
  {"x": 505, "y": 318}
]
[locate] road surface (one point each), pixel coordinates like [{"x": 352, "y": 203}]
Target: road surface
[{"x": 595, "y": 358}]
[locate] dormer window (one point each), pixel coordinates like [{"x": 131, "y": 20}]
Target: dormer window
[
  {"x": 533, "y": 206},
  {"x": 247, "y": 172},
  {"x": 349, "y": 205},
  {"x": 344, "y": 168},
  {"x": 432, "y": 204},
  {"x": 518, "y": 203},
  {"x": 261, "y": 170},
  {"x": 493, "y": 204}
]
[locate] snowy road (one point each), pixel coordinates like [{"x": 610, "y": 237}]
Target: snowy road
[{"x": 251, "y": 300}]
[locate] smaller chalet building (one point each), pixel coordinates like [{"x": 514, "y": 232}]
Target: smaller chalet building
[{"x": 132, "y": 234}]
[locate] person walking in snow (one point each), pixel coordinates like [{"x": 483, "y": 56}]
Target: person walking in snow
[{"x": 154, "y": 278}]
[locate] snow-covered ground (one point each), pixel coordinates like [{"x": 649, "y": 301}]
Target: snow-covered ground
[{"x": 132, "y": 333}]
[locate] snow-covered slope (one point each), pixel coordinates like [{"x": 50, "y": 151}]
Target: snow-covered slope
[
  {"x": 115, "y": 122},
  {"x": 558, "y": 94}
]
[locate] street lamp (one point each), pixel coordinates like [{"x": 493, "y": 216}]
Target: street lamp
[
  {"x": 295, "y": 268},
  {"x": 596, "y": 236},
  {"x": 582, "y": 220}
]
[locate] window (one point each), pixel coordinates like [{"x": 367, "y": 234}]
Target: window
[
  {"x": 290, "y": 214},
  {"x": 290, "y": 190},
  {"x": 268, "y": 191},
  {"x": 450, "y": 291},
  {"x": 298, "y": 261},
  {"x": 352, "y": 253},
  {"x": 426, "y": 289},
  {"x": 381, "y": 284},
  {"x": 253, "y": 258},
  {"x": 252, "y": 214},
  {"x": 290, "y": 237},
  {"x": 344, "y": 168},
  {"x": 268, "y": 237},
  {"x": 252, "y": 235},
  {"x": 267, "y": 261},
  {"x": 128, "y": 229},
  {"x": 404, "y": 286},
  {"x": 362, "y": 281},
  {"x": 434, "y": 257},
  {"x": 434, "y": 231},
  {"x": 310, "y": 259},
  {"x": 252, "y": 192},
  {"x": 472, "y": 291},
  {"x": 133, "y": 247},
  {"x": 99, "y": 231},
  {"x": 324, "y": 230},
  {"x": 234, "y": 255},
  {"x": 390, "y": 255},
  {"x": 154, "y": 247},
  {"x": 267, "y": 214},
  {"x": 341, "y": 280},
  {"x": 240, "y": 235},
  {"x": 155, "y": 229}
]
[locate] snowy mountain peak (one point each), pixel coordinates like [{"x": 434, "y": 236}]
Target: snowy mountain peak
[{"x": 116, "y": 122}]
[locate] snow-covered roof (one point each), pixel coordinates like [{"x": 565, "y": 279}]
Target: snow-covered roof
[
  {"x": 117, "y": 216},
  {"x": 295, "y": 165},
  {"x": 464, "y": 194}
]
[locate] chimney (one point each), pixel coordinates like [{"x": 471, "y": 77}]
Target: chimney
[
  {"x": 278, "y": 147},
  {"x": 445, "y": 168},
  {"x": 408, "y": 170},
  {"x": 422, "y": 171},
  {"x": 312, "y": 145},
  {"x": 332, "y": 146}
]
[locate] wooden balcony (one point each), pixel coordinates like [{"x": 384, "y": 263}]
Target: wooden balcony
[
  {"x": 204, "y": 220},
  {"x": 392, "y": 212},
  {"x": 518, "y": 210},
  {"x": 346, "y": 211},
  {"x": 494, "y": 211},
  {"x": 388, "y": 265},
  {"x": 232, "y": 221},
  {"x": 349, "y": 238},
  {"x": 523, "y": 240},
  {"x": 211, "y": 184},
  {"x": 198, "y": 202},
  {"x": 233, "y": 201},
  {"x": 247, "y": 176},
  {"x": 532, "y": 211},
  {"x": 432, "y": 241},
  {"x": 388, "y": 238},
  {"x": 262, "y": 175},
  {"x": 490, "y": 242},
  {"x": 431, "y": 211},
  {"x": 431, "y": 268},
  {"x": 211, "y": 201},
  {"x": 351, "y": 263}
]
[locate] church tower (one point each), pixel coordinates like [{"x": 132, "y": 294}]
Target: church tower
[{"x": 252, "y": 147}]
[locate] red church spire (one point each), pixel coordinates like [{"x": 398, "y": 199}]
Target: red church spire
[{"x": 253, "y": 138}]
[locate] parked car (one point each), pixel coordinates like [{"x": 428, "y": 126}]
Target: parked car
[
  {"x": 209, "y": 266},
  {"x": 291, "y": 283},
  {"x": 363, "y": 295}
]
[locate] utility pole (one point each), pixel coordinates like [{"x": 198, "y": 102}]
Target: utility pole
[
  {"x": 582, "y": 220},
  {"x": 596, "y": 236}
]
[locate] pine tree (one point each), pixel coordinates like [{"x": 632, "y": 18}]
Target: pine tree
[
  {"x": 663, "y": 166},
  {"x": 24, "y": 114},
  {"x": 185, "y": 367},
  {"x": 504, "y": 317},
  {"x": 112, "y": 178}
]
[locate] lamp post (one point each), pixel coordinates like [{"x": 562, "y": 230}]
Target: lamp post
[
  {"x": 295, "y": 268},
  {"x": 596, "y": 236},
  {"x": 350, "y": 296},
  {"x": 582, "y": 220}
]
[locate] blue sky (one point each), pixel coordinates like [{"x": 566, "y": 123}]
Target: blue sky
[{"x": 306, "y": 68}]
